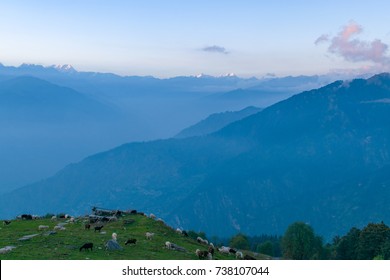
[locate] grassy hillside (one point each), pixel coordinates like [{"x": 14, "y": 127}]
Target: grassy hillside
[{"x": 65, "y": 244}]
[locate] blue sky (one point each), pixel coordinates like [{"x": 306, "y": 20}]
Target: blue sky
[{"x": 171, "y": 38}]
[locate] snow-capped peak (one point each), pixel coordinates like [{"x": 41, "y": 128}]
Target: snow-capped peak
[
  {"x": 220, "y": 76},
  {"x": 64, "y": 68},
  {"x": 201, "y": 75},
  {"x": 229, "y": 75}
]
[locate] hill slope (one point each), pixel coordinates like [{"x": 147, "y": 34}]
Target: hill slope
[
  {"x": 215, "y": 122},
  {"x": 29, "y": 99},
  {"x": 321, "y": 157},
  {"x": 65, "y": 244},
  {"x": 45, "y": 126}
]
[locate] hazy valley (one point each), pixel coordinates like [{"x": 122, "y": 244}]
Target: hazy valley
[{"x": 319, "y": 156}]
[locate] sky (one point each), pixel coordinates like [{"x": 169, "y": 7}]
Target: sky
[{"x": 174, "y": 38}]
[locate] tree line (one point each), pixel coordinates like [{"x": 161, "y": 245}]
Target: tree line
[
  {"x": 300, "y": 242},
  {"x": 371, "y": 242}
]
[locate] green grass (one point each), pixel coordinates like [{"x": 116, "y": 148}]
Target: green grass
[{"x": 65, "y": 244}]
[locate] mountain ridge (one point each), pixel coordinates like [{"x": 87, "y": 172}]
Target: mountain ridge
[
  {"x": 215, "y": 122},
  {"x": 32, "y": 97},
  {"x": 320, "y": 156}
]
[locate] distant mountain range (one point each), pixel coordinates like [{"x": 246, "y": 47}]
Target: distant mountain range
[
  {"x": 321, "y": 157},
  {"x": 69, "y": 76},
  {"x": 29, "y": 99},
  {"x": 53, "y": 116}
]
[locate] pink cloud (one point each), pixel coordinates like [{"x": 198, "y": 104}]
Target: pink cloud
[
  {"x": 346, "y": 45},
  {"x": 349, "y": 30}
]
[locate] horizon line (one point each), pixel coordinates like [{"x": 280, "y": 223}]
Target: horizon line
[{"x": 68, "y": 68}]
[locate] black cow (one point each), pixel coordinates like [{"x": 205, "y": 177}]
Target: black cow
[
  {"x": 26, "y": 217},
  {"x": 211, "y": 250},
  {"x": 86, "y": 246},
  {"x": 202, "y": 254},
  {"x": 98, "y": 228},
  {"x": 231, "y": 250},
  {"x": 131, "y": 241}
]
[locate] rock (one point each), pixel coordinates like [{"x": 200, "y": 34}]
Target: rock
[
  {"x": 27, "y": 237},
  {"x": 6, "y": 249},
  {"x": 52, "y": 232},
  {"x": 128, "y": 222},
  {"x": 113, "y": 245}
]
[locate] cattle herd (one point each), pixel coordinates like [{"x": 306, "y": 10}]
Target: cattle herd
[{"x": 100, "y": 217}]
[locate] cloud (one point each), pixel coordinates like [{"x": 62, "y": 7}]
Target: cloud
[
  {"x": 215, "y": 49},
  {"x": 346, "y": 45},
  {"x": 323, "y": 38}
]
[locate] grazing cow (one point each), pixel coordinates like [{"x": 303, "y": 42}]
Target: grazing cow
[
  {"x": 59, "y": 227},
  {"x": 87, "y": 226},
  {"x": 239, "y": 255},
  {"x": 149, "y": 235},
  {"x": 133, "y": 212},
  {"x": 201, "y": 254},
  {"x": 160, "y": 221},
  {"x": 211, "y": 250},
  {"x": 231, "y": 250},
  {"x": 86, "y": 246},
  {"x": 185, "y": 233},
  {"x": 26, "y": 217},
  {"x": 224, "y": 250},
  {"x": 175, "y": 247},
  {"x": 131, "y": 241},
  {"x": 202, "y": 241},
  {"x": 6, "y": 222},
  {"x": 98, "y": 228},
  {"x": 42, "y": 227}
]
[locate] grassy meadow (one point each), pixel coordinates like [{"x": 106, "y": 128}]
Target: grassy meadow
[{"x": 65, "y": 244}]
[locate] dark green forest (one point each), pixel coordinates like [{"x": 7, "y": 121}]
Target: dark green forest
[{"x": 300, "y": 242}]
